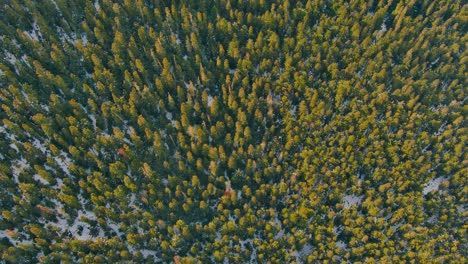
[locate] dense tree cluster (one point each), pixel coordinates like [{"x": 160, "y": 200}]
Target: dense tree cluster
[{"x": 243, "y": 131}]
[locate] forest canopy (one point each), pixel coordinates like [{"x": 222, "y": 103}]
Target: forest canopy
[{"x": 235, "y": 131}]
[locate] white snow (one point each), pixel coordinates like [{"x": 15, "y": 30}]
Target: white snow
[
  {"x": 147, "y": 252},
  {"x": 114, "y": 227},
  {"x": 59, "y": 183},
  {"x": 132, "y": 200},
  {"x": 32, "y": 35},
  {"x": 6, "y": 233},
  {"x": 306, "y": 250},
  {"x": 19, "y": 166},
  {"x": 165, "y": 182},
  {"x": 293, "y": 110},
  {"x": 63, "y": 161},
  {"x": 239, "y": 194},
  {"x": 169, "y": 116},
  {"x": 253, "y": 256},
  {"x": 93, "y": 120},
  {"x": 279, "y": 235},
  {"x": 243, "y": 242},
  {"x": 340, "y": 244},
  {"x": 383, "y": 28},
  {"x": 277, "y": 221},
  {"x": 96, "y": 5},
  {"x": 27, "y": 242},
  {"x": 73, "y": 229},
  {"x": 35, "y": 33},
  {"x": 38, "y": 178},
  {"x": 396, "y": 227},
  {"x": 350, "y": 200},
  {"x": 9, "y": 233},
  {"x": 84, "y": 39},
  {"x": 55, "y": 4},
  {"x": 24, "y": 59},
  {"x": 13, "y": 146},
  {"x": 218, "y": 235},
  {"x": 64, "y": 37},
  {"x": 433, "y": 185},
  {"x": 435, "y": 61},
  {"x": 10, "y": 58},
  {"x": 39, "y": 145},
  {"x": 276, "y": 99},
  {"x": 337, "y": 230},
  {"x": 45, "y": 107},
  {"x": 210, "y": 100},
  {"x": 432, "y": 219}
]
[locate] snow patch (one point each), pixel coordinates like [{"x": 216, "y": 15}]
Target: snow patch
[
  {"x": 55, "y": 4},
  {"x": 293, "y": 110},
  {"x": 24, "y": 59},
  {"x": 239, "y": 194},
  {"x": 96, "y": 5},
  {"x": 85, "y": 234},
  {"x": 63, "y": 161},
  {"x": 35, "y": 33},
  {"x": 45, "y": 107},
  {"x": 80, "y": 38},
  {"x": 93, "y": 120},
  {"x": 165, "y": 182},
  {"x": 340, "y": 244},
  {"x": 435, "y": 61},
  {"x": 18, "y": 167},
  {"x": 13, "y": 146},
  {"x": 306, "y": 250},
  {"x": 432, "y": 219},
  {"x": 10, "y": 58},
  {"x": 40, "y": 146},
  {"x": 396, "y": 227},
  {"x": 433, "y": 185},
  {"x": 279, "y": 235},
  {"x": 244, "y": 242},
  {"x": 350, "y": 200},
  {"x": 276, "y": 99},
  {"x": 38, "y": 178},
  {"x": 210, "y": 100},
  {"x": 383, "y": 28},
  {"x": 59, "y": 183},
  {"x": 7, "y": 234},
  {"x": 253, "y": 256},
  {"x": 147, "y": 252},
  {"x": 218, "y": 236},
  {"x": 114, "y": 228}
]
